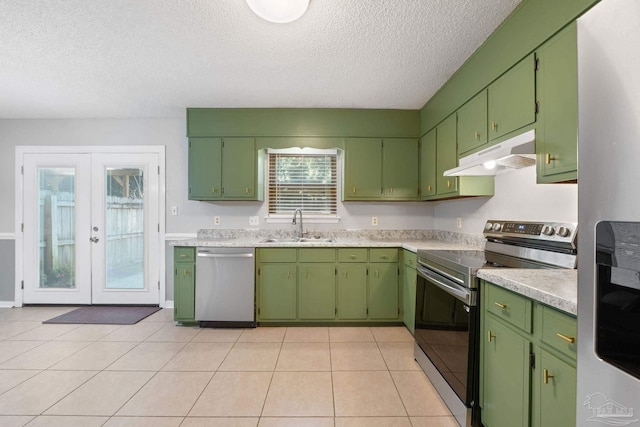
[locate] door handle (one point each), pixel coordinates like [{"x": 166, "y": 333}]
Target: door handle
[{"x": 94, "y": 239}]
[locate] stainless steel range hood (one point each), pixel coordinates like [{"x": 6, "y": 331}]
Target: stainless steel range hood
[{"x": 514, "y": 153}]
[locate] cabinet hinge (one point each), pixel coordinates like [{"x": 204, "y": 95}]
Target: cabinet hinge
[
  {"x": 158, "y": 227},
  {"x": 336, "y": 311},
  {"x": 335, "y": 271},
  {"x": 532, "y": 360},
  {"x": 22, "y": 227},
  {"x": 367, "y": 311},
  {"x": 536, "y": 65},
  {"x": 22, "y": 284},
  {"x": 398, "y": 311},
  {"x": 158, "y": 170},
  {"x": 258, "y": 310},
  {"x": 158, "y": 284},
  {"x": 22, "y": 170},
  {"x": 367, "y": 271},
  {"x": 222, "y": 192},
  {"x": 258, "y": 272},
  {"x": 537, "y": 106},
  {"x": 176, "y": 272}
]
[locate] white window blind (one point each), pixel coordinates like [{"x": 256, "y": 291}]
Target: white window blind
[{"x": 302, "y": 181}]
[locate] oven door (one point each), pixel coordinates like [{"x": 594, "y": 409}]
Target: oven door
[{"x": 446, "y": 329}]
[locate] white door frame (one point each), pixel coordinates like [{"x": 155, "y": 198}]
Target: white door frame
[{"x": 19, "y": 214}]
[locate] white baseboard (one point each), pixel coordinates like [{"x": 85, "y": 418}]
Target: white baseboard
[
  {"x": 7, "y": 236},
  {"x": 9, "y": 304},
  {"x": 168, "y": 304}
]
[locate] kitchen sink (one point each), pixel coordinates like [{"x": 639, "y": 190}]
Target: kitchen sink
[{"x": 299, "y": 240}]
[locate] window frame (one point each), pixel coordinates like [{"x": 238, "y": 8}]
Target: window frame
[{"x": 308, "y": 218}]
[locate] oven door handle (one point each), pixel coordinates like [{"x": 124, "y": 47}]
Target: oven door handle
[{"x": 463, "y": 294}]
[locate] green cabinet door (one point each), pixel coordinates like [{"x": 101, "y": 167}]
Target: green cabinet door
[
  {"x": 184, "y": 285},
  {"x": 428, "y": 164},
  {"x": 205, "y": 168},
  {"x": 277, "y": 291},
  {"x": 512, "y": 99},
  {"x": 352, "y": 291},
  {"x": 238, "y": 168},
  {"x": 557, "y": 392},
  {"x": 506, "y": 376},
  {"x": 557, "y": 130},
  {"x": 400, "y": 162},
  {"x": 409, "y": 297},
  {"x": 472, "y": 124},
  {"x": 446, "y": 155},
  {"x": 383, "y": 291},
  {"x": 362, "y": 169},
  {"x": 317, "y": 291}
]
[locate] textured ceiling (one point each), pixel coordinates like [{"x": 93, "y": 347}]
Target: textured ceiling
[{"x": 154, "y": 58}]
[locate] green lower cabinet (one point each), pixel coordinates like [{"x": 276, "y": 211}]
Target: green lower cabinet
[
  {"x": 328, "y": 285},
  {"x": 556, "y": 398},
  {"x": 277, "y": 291},
  {"x": 383, "y": 291},
  {"x": 317, "y": 291},
  {"x": 409, "y": 297},
  {"x": 184, "y": 285},
  {"x": 527, "y": 369},
  {"x": 506, "y": 384},
  {"x": 352, "y": 291}
]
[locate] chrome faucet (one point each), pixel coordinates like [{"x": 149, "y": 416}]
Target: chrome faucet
[{"x": 300, "y": 232}]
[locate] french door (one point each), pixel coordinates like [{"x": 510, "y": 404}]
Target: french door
[{"x": 91, "y": 228}]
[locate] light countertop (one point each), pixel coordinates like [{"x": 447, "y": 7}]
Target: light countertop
[{"x": 557, "y": 288}]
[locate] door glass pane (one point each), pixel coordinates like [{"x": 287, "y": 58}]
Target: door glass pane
[
  {"x": 56, "y": 227},
  {"x": 124, "y": 228}
]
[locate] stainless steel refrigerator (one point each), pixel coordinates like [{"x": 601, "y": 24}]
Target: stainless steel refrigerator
[{"x": 608, "y": 390}]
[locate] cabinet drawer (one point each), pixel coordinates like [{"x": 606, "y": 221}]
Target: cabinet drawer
[
  {"x": 559, "y": 331},
  {"x": 410, "y": 258},
  {"x": 278, "y": 255},
  {"x": 383, "y": 255},
  {"x": 511, "y": 307},
  {"x": 317, "y": 255},
  {"x": 352, "y": 255},
  {"x": 184, "y": 254}
]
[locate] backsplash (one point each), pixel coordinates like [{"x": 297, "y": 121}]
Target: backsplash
[{"x": 445, "y": 236}]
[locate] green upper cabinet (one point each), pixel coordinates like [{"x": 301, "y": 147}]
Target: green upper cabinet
[
  {"x": 428, "y": 165},
  {"x": 362, "y": 169},
  {"x": 381, "y": 169},
  {"x": 223, "y": 169},
  {"x": 446, "y": 155},
  {"x": 472, "y": 124},
  {"x": 400, "y": 160},
  {"x": 557, "y": 130},
  {"x": 205, "y": 168},
  {"x": 438, "y": 154},
  {"x": 512, "y": 99}
]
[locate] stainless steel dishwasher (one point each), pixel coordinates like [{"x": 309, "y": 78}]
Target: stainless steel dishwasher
[{"x": 225, "y": 290}]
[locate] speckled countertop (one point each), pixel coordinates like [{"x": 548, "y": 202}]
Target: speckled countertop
[
  {"x": 412, "y": 240},
  {"x": 557, "y": 288}
]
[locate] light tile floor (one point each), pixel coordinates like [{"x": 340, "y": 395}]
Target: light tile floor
[{"x": 157, "y": 374}]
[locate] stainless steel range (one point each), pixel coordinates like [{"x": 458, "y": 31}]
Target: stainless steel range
[{"x": 447, "y": 324}]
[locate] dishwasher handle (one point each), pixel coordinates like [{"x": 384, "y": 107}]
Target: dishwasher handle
[{"x": 213, "y": 255}]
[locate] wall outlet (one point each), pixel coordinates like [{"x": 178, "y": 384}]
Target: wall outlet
[
  {"x": 216, "y": 220},
  {"x": 459, "y": 222},
  {"x": 253, "y": 220},
  {"x": 374, "y": 220},
  {"x": 174, "y": 210}
]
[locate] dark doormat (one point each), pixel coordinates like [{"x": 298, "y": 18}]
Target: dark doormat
[{"x": 106, "y": 315}]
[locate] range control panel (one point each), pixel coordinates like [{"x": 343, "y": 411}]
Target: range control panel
[{"x": 548, "y": 231}]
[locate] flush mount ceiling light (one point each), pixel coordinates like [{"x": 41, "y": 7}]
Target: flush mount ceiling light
[{"x": 279, "y": 11}]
